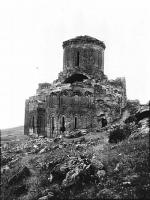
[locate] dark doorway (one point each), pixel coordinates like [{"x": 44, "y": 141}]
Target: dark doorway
[
  {"x": 75, "y": 78},
  {"x": 63, "y": 128},
  {"x": 75, "y": 122},
  {"x": 104, "y": 122}
]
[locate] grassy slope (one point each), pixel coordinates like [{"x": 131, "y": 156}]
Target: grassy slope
[
  {"x": 130, "y": 181},
  {"x": 133, "y": 159},
  {"x": 10, "y": 134}
]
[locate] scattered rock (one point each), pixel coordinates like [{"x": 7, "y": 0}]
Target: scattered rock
[
  {"x": 127, "y": 183},
  {"x": 44, "y": 198},
  {"x": 5, "y": 160},
  {"x": 131, "y": 179},
  {"x": 60, "y": 146},
  {"x": 101, "y": 173},
  {"x": 64, "y": 168},
  {"x": 107, "y": 194},
  {"x": 42, "y": 150},
  {"x": 35, "y": 146},
  {"x": 97, "y": 164},
  {"x": 50, "y": 195},
  {"x": 117, "y": 167},
  {"x": 45, "y": 192},
  {"x": 4, "y": 169},
  {"x": 55, "y": 189},
  {"x": 57, "y": 173},
  {"x": 50, "y": 178},
  {"x": 71, "y": 177},
  {"x": 74, "y": 134},
  {"x": 41, "y": 136},
  {"x": 57, "y": 139}
]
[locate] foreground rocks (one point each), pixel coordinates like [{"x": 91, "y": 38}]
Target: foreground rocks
[
  {"x": 83, "y": 167},
  {"x": 20, "y": 175}
]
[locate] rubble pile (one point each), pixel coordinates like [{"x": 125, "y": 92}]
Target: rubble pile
[
  {"x": 69, "y": 166},
  {"x": 141, "y": 130},
  {"x": 75, "y": 134},
  {"x": 77, "y": 170},
  {"x": 12, "y": 153}
]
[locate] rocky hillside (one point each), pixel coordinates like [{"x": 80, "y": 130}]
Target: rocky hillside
[{"x": 83, "y": 165}]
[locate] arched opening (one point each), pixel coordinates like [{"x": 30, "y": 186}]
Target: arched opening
[
  {"x": 53, "y": 124},
  {"x": 63, "y": 128},
  {"x": 76, "y": 78},
  {"x": 75, "y": 122},
  {"x": 104, "y": 122},
  {"x": 142, "y": 115},
  {"x": 33, "y": 125},
  {"x": 77, "y": 59}
]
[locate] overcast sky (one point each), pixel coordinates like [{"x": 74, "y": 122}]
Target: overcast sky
[{"x": 31, "y": 36}]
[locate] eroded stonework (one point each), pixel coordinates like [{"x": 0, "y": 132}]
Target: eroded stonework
[{"x": 81, "y": 98}]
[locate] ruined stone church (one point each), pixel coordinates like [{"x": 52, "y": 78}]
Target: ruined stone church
[{"x": 81, "y": 98}]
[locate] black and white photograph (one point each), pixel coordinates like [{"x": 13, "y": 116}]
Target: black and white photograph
[{"x": 74, "y": 99}]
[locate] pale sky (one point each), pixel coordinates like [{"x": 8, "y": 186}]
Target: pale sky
[{"x": 31, "y": 36}]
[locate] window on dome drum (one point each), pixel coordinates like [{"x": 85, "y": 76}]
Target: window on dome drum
[
  {"x": 76, "y": 78},
  {"x": 75, "y": 122},
  {"x": 77, "y": 59},
  {"x": 53, "y": 125},
  {"x": 62, "y": 128},
  {"x": 33, "y": 126}
]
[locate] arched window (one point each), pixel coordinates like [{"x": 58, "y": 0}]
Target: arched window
[
  {"x": 75, "y": 122},
  {"x": 33, "y": 124},
  {"x": 62, "y": 128},
  {"x": 53, "y": 123},
  {"x": 63, "y": 121},
  {"x": 77, "y": 59}
]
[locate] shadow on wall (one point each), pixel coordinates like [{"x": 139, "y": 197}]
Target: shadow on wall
[{"x": 75, "y": 78}]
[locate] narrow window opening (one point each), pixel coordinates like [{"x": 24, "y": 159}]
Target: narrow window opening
[
  {"x": 77, "y": 59},
  {"x": 63, "y": 128},
  {"x": 75, "y": 122},
  {"x": 53, "y": 124},
  {"x": 33, "y": 126}
]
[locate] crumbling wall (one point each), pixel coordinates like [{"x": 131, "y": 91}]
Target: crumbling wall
[
  {"x": 81, "y": 97},
  {"x": 35, "y": 116},
  {"x": 76, "y": 106},
  {"x": 83, "y": 55},
  {"x": 110, "y": 99}
]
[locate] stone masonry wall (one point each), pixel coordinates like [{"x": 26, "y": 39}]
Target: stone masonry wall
[
  {"x": 82, "y": 97},
  {"x": 84, "y": 59}
]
